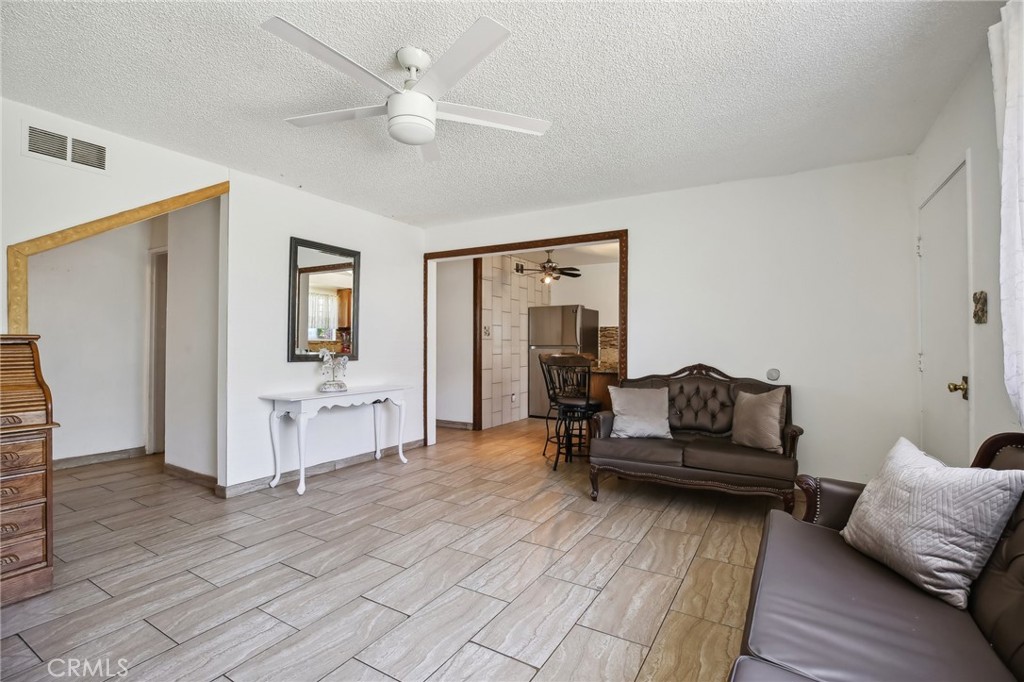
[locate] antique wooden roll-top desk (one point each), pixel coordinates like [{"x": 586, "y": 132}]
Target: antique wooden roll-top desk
[{"x": 26, "y": 472}]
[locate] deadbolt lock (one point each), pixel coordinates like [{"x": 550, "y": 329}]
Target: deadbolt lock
[{"x": 962, "y": 387}]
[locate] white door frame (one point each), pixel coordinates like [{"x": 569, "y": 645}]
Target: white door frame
[{"x": 150, "y": 347}]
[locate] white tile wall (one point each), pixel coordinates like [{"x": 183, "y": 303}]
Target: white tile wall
[{"x": 506, "y": 298}]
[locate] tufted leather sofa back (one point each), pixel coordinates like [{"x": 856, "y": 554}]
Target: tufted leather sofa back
[
  {"x": 701, "y": 398},
  {"x": 700, "y": 404},
  {"x": 997, "y": 596}
]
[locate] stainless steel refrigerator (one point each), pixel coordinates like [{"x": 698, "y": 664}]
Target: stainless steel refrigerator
[{"x": 557, "y": 329}]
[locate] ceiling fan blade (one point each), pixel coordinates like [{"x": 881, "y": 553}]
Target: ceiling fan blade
[
  {"x": 430, "y": 152},
  {"x": 570, "y": 274},
  {"x": 492, "y": 119},
  {"x": 307, "y": 43},
  {"x": 569, "y": 269},
  {"x": 470, "y": 49},
  {"x": 338, "y": 115}
]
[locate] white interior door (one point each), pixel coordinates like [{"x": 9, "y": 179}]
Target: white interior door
[{"x": 945, "y": 310}]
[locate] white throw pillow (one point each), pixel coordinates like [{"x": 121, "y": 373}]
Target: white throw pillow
[
  {"x": 934, "y": 525},
  {"x": 640, "y": 412}
]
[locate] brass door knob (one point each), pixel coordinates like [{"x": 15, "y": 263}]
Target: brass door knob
[{"x": 962, "y": 386}]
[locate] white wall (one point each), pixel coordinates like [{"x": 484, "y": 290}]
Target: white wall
[
  {"x": 455, "y": 341},
  {"x": 597, "y": 289},
  {"x": 89, "y": 304},
  {"x": 965, "y": 130},
  {"x": 263, "y": 216},
  {"x": 812, "y": 273},
  {"x": 190, "y": 437},
  {"x": 40, "y": 196}
]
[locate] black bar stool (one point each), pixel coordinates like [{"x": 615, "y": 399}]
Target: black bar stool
[{"x": 567, "y": 378}]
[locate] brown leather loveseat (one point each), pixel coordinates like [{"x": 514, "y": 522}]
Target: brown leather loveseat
[
  {"x": 821, "y": 610},
  {"x": 700, "y": 453}
]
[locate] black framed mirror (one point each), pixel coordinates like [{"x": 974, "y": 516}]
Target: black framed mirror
[{"x": 323, "y": 301}]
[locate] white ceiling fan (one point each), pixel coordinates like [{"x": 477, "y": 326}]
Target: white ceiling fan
[{"x": 413, "y": 110}]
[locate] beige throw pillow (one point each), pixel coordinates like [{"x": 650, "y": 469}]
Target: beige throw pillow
[
  {"x": 758, "y": 418},
  {"x": 640, "y": 412},
  {"x": 934, "y": 525}
]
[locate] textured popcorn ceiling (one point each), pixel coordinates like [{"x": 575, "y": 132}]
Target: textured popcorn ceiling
[{"x": 644, "y": 97}]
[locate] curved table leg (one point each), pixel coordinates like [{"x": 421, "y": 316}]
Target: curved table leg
[
  {"x": 275, "y": 445},
  {"x": 301, "y": 421},
  {"x": 376, "y": 430},
  {"x": 401, "y": 427}
]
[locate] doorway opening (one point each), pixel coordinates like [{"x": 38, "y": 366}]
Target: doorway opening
[
  {"x": 119, "y": 315},
  {"x": 501, "y": 259}
]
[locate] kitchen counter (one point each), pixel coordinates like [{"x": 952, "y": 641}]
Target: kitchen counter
[{"x": 600, "y": 380}]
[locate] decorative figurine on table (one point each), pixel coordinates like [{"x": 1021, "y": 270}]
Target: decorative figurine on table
[{"x": 331, "y": 367}]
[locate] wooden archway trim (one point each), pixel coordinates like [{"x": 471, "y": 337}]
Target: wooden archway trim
[
  {"x": 621, "y": 236},
  {"x": 17, "y": 254}
]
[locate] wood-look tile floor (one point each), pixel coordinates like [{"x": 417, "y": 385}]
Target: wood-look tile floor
[{"x": 474, "y": 561}]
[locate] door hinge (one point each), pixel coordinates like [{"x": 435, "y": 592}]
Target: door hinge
[
  {"x": 920, "y": 363},
  {"x": 919, "y": 252}
]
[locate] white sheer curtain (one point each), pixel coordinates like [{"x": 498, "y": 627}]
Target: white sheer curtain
[
  {"x": 323, "y": 314},
  {"x": 1004, "y": 41}
]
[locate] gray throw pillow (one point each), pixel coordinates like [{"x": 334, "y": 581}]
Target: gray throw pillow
[
  {"x": 758, "y": 418},
  {"x": 934, "y": 525},
  {"x": 640, "y": 412}
]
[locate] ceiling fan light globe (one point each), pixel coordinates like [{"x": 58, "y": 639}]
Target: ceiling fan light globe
[
  {"x": 411, "y": 129},
  {"x": 411, "y": 117}
]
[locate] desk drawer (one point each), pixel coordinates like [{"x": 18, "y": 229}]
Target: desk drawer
[
  {"x": 22, "y": 454},
  {"x": 22, "y": 488},
  {"x": 17, "y": 523},
  {"x": 15, "y": 555}
]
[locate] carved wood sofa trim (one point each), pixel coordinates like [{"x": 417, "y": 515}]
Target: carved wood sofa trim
[
  {"x": 809, "y": 486},
  {"x": 787, "y": 496},
  {"x": 988, "y": 450}
]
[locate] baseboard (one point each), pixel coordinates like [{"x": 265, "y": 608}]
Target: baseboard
[
  {"x": 445, "y": 424},
  {"x": 322, "y": 468},
  {"x": 194, "y": 476},
  {"x": 82, "y": 460}
]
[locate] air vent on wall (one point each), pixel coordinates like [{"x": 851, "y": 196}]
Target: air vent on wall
[
  {"x": 88, "y": 154},
  {"x": 57, "y": 147},
  {"x": 48, "y": 144}
]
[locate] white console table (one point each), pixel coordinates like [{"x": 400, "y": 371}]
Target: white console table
[{"x": 302, "y": 406}]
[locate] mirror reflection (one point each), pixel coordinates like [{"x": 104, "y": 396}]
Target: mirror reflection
[{"x": 323, "y": 300}]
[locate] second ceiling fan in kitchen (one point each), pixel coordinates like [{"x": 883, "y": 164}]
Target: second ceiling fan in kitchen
[{"x": 548, "y": 270}]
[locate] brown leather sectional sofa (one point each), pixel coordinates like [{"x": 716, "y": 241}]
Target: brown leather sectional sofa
[
  {"x": 821, "y": 610},
  {"x": 700, "y": 453}
]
